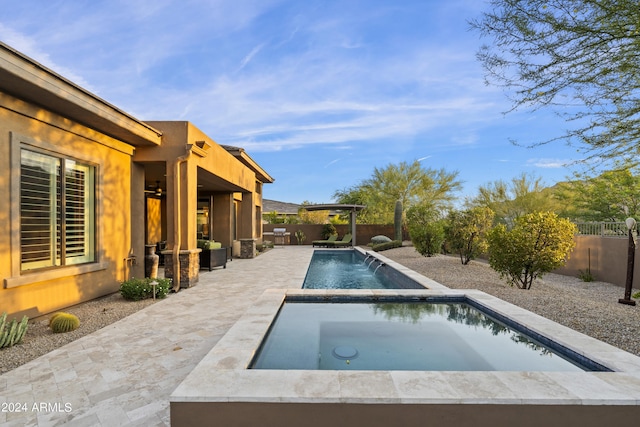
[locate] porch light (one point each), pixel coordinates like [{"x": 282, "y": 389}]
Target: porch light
[
  {"x": 158, "y": 189},
  {"x": 631, "y": 253}
]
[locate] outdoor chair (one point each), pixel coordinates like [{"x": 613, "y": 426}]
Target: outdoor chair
[
  {"x": 346, "y": 241},
  {"x": 330, "y": 240}
]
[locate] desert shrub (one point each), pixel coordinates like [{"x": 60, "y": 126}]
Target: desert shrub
[
  {"x": 328, "y": 230},
  {"x": 538, "y": 243},
  {"x": 466, "y": 232},
  {"x": 425, "y": 229},
  {"x": 586, "y": 275},
  {"x": 388, "y": 245},
  {"x": 64, "y": 322},
  {"x": 12, "y": 332},
  {"x": 138, "y": 289}
]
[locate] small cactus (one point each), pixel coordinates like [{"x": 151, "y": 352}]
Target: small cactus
[
  {"x": 63, "y": 322},
  {"x": 13, "y": 332}
]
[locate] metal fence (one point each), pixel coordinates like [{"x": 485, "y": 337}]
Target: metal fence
[{"x": 604, "y": 229}]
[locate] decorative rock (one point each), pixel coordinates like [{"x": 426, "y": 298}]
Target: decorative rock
[{"x": 376, "y": 240}]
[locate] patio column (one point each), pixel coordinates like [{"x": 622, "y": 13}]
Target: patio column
[
  {"x": 182, "y": 192},
  {"x": 223, "y": 219}
]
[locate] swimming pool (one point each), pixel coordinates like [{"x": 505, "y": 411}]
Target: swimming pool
[
  {"x": 401, "y": 335},
  {"x": 351, "y": 269}
]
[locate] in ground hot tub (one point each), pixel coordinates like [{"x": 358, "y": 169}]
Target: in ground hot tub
[
  {"x": 222, "y": 390},
  {"x": 435, "y": 335}
]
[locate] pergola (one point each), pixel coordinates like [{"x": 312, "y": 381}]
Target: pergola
[{"x": 353, "y": 209}]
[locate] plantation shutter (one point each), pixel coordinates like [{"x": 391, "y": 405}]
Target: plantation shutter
[
  {"x": 40, "y": 227},
  {"x": 56, "y": 211},
  {"x": 78, "y": 221}
]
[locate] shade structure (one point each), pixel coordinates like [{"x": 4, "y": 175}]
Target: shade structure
[{"x": 353, "y": 210}]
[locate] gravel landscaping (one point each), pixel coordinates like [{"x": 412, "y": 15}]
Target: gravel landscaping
[
  {"x": 93, "y": 315},
  {"x": 588, "y": 307}
]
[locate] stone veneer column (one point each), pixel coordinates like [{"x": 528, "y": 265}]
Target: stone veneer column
[
  {"x": 189, "y": 266},
  {"x": 247, "y": 248}
]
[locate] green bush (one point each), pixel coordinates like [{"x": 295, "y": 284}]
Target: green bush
[
  {"x": 328, "y": 230},
  {"x": 425, "y": 230},
  {"x": 428, "y": 239},
  {"x": 12, "y": 332},
  {"x": 388, "y": 245},
  {"x": 139, "y": 289},
  {"x": 466, "y": 232},
  {"x": 538, "y": 243}
]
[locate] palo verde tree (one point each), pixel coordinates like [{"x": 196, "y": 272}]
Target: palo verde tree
[
  {"x": 613, "y": 195},
  {"x": 408, "y": 182},
  {"x": 578, "y": 57},
  {"x": 508, "y": 200},
  {"x": 466, "y": 232},
  {"x": 538, "y": 243}
]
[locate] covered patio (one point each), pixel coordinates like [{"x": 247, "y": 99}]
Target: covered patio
[{"x": 195, "y": 189}]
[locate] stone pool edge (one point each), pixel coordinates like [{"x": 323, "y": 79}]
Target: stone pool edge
[{"x": 222, "y": 375}]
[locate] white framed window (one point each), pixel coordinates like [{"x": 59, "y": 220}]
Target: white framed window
[{"x": 57, "y": 211}]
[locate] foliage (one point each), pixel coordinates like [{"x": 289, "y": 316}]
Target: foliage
[
  {"x": 586, "y": 275},
  {"x": 613, "y": 195},
  {"x": 13, "y": 332},
  {"x": 388, "y": 245},
  {"x": 139, "y": 289},
  {"x": 466, "y": 232},
  {"x": 410, "y": 183},
  {"x": 537, "y": 243},
  {"x": 312, "y": 217},
  {"x": 425, "y": 230},
  {"x": 300, "y": 236},
  {"x": 578, "y": 57},
  {"x": 509, "y": 200},
  {"x": 272, "y": 218},
  {"x": 64, "y": 322},
  {"x": 328, "y": 230}
]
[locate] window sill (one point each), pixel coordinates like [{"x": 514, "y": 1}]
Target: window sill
[{"x": 58, "y": 273}]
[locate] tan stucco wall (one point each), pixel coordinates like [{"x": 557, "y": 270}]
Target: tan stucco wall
[
  {"x": 608, "y": 259},
  {"x": 43, "y": 292}
]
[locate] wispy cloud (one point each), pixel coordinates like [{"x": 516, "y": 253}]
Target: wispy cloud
[
  {"x": 547, "y": 163},
  {"x": 250, "y": 55}
]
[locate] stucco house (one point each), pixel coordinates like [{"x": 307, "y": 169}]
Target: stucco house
[{"x": 84, "y": 186}]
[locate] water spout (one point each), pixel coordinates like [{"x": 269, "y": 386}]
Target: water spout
[{"x": 379, "y": 265}]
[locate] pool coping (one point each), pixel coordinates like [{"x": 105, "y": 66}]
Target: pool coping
[{"x": 222, "y": 375}]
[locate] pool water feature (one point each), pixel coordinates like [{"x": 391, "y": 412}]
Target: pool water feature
[
  {"x": 414, "y": 336},
  {"x": 351, "y": 269}
]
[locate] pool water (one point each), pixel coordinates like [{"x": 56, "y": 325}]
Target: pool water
[
  {"x": 422, "y": 336},
  {"x": 346, "y": 270}
]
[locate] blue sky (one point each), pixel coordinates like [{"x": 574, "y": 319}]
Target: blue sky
[{"x": 318, "y": 92}]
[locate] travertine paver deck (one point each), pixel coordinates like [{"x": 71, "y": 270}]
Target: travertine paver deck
[{"x": 122, "y": 375}]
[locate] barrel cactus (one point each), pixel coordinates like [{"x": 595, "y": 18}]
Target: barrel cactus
[
  {"x": 12, "y": 332},
  {"x": 63, "y": 322},
  {"x": 397, "y": 221}
]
